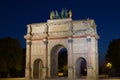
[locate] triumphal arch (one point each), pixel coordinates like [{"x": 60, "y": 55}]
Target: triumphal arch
[{"x": 46, "y": 41}]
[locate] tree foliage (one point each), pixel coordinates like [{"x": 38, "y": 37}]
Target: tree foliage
[
  {"x": 10, "y": 56},
  {"x": 113, "y": 54}
]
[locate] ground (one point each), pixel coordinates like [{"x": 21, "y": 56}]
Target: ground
[{"x": 59, "y": 79}]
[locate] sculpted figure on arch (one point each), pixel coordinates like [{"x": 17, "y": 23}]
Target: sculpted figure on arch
[{"x": 64, "y": 14}]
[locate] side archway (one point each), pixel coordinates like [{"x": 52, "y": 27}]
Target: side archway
[
  {"x": 81, "y": 67},
  {"x": 37, "y": 69}
]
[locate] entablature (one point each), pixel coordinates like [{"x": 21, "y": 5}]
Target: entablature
[{"x": 61, "y": 28}]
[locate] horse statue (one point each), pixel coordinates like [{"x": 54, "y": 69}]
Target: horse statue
[{"x": 64, "y": 14}]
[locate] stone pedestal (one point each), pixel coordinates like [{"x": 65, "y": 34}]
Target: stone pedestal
[
  {"x": 44, "y": 76},
  {"x": 27, "y": 75},
  {"x": 90, "y": 74},
  {"x": 70, "y": 73}
]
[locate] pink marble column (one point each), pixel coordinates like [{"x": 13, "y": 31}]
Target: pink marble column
[
  {"x": 45, "y": 59},
  {"x": 28, "y": 60},
  {"x": 70, "y": 59},
  {"x": 90, "y": 75},
  {"x": 89, "y": 50}
]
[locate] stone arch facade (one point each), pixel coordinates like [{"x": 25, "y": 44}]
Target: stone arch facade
[{"x": 44, "y": 40}]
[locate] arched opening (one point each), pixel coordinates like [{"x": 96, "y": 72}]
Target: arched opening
[
  {"x": 81, "y": 68},
  {"x": 59, "y": 61},
  {"x": 37, "y": 69},
  {"x": 62, "y": 63}
]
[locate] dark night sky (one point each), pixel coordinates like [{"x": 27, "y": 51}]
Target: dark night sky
[{"x": 16, "y": 14}]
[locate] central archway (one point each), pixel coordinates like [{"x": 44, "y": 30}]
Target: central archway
[
  {"x": 62, "y": 63},
  {"x": 59, "y": 61}
]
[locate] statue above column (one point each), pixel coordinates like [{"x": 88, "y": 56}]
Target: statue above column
[{"x": 63, "y": 14}]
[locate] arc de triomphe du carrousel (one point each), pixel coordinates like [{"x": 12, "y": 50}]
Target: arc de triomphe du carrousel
[{"x": 45, "y": 41}]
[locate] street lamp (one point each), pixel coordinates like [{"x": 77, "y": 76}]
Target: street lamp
[{"x": 108, "y": 67}]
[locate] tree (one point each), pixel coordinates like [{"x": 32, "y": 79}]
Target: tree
[
  {"x": 10, "y": 56},
  {"x": 113, "y": 54}
]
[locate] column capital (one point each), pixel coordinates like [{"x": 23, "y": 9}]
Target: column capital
[
  {"x": 45, "y": 68},
  {"x": 28, "y": 43},
  {"x": 70, "y": 39},
  {"x": 90, "y": 67},
  {"x": 70, "y": 67},
  {"x": 88, "y": 38},
  {"x": 45, "y": 41}
]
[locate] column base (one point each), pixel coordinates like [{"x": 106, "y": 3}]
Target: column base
[
  {"x": 70, "y": 73},
  {"x": 91, "y": 75},
  {"x": 44, "y": 74},
  {"x": 27, "y": 74}
]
